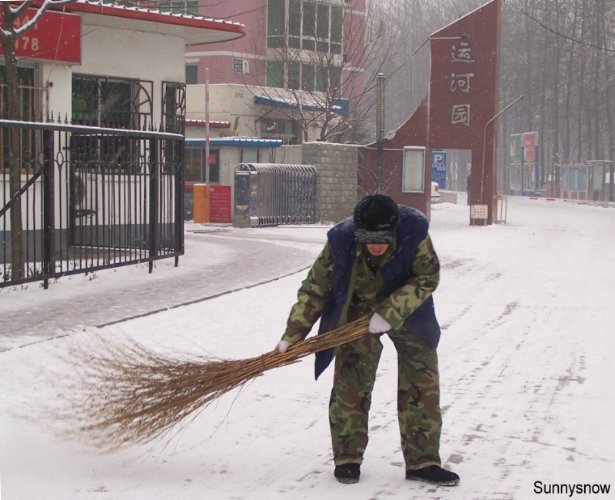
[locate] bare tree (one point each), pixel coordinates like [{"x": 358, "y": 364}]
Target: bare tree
[
  {"x": 15, "y": 23},
  {"x": 565, "y": 50},
  {"x": 330, "y": 85}
]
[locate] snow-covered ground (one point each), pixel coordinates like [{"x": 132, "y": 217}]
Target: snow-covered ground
[{"x": 526, "y": 364}]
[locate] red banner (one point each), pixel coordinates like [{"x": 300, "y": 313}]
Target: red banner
[
  {"x": 55, "y": 37},
  {"x": 220, "y": 203},
  {"x": 529, "y": 146}
]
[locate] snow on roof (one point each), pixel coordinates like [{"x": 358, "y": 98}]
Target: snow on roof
[
  {"x": 280, "y": 102},
  {"x": 212, "y": 123},
  {"x": 290, "y": 103},
  {"x": 195, "y": 29},
  {"x": 243, "y": 142}
]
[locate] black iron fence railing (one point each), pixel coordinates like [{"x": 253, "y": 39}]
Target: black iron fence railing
[{"x": 75, "y": 199}]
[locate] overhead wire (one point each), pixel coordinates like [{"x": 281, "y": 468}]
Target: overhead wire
[{"x": 559, "y": 33}]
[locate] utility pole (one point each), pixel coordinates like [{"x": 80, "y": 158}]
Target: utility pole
[
  {"x": 380, "y": 83},
  {"x": 207, "y": 178}
]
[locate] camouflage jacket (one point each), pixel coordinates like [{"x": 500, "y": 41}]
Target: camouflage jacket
[{"x": 346, "y": 282}]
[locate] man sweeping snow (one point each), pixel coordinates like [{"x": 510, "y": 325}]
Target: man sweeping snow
[{"x": 381, "y": 263}]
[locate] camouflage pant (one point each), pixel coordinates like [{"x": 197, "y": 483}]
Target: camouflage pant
[{"x": 418, "y": 396}]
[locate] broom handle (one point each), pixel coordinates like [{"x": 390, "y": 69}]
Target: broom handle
[{"x": 333, "y": 338}]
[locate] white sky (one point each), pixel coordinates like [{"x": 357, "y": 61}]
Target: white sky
[{"x": 526, "y": 362}]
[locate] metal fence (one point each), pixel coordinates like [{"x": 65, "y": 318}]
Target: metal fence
[
  {"x": 269, "y": 194},
  {"x": 75, "y": 199}
]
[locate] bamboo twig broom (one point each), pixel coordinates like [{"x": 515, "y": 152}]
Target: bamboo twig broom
[{"x": 133, "y": 395}]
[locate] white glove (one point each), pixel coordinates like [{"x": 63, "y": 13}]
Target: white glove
[
  {"x": 377, "y": 324},
  {"x": 282, "y": 346}
]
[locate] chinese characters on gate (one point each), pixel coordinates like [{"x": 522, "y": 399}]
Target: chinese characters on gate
[{"x": 462, "y": 63}]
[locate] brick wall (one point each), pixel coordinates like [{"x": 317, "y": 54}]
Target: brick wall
[{"x": 336, "y": 180}]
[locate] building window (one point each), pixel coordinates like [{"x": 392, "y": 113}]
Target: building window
[
  {"x": 294, "y": 75},
  {"x": 192, "y": 73},
  {"x": 413, "y": 170},
  {"x": 114, "y": 103},
  {"x": 249, "y": 156},
  {"x": 309, "y": 77},
  {"x": 336, "y": 30},
  {"x": 322, "y": 21},
  {"x": 275, "y": 128},
  {"x": 275, "y": 74},
  {"x": 194, "y": 165},
  {"x": 179, "y": 7},
  {"x": 309, "y": 19},
  {"x": 214, "y": 166},
  {"x": 328, "y": 78},
  {"x": 276, "y": 23},
  {"x": 240, "y": 66},
  {"x": 307, "y": 25},
  {"x": 294, "y": 24},
  {"x": 321, "y": 79},
  {"x": 27, "y": 94},
  {"x": 308, "y": 44},
  {"x": 173, "y": 107},
  {"x": 111, "y": 102},
  {"x": 335, "y": 77},
  {"x": 30, "y": 97},
  {"x": 173, "y": 120}
]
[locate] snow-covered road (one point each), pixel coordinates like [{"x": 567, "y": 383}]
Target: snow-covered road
[
  {"x": 526, "y": 365},
  {"x": 218, "y": 259}
]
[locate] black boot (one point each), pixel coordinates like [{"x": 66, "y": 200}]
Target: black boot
[
  {"x": 434, "y": 474},
  {"x": 347, "y": 473}
]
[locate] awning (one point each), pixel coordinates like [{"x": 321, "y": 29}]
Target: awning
[
  {"x": 339, "y": 108},
  {"x": 203, "y": 123},
  {"x": 238, "y": 142}
]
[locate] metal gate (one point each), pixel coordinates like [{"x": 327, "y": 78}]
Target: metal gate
[
  {"x": 269, "y": 194},
  {"x": 87, "y": 198}
]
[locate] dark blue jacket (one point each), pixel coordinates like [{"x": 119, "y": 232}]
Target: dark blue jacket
[{"x": 411, "y": 230}]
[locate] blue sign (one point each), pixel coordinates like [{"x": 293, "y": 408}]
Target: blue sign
[{"x": 438, "y": 167}]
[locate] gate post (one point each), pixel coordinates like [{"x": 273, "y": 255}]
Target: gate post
[
  {"x": 244, "y": 201},
  {"x": 179, "y": 199},
  {"x": 48, "y": 207},
  {"x": 154, "y": 183}
]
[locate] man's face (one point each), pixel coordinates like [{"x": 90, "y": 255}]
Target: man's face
[{"x": 377, "y": 249}]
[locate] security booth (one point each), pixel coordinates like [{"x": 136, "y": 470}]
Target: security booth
[
  {"x": 270, "y": 194},
  {"x": 601, "y": 180},
  {"x": 212, "y": 178},
  {"x": 589, "y": 181},
  {"x": 574, "y": 184}
]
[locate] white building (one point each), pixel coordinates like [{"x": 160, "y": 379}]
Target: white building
[
  {"x": 105, "y": 65},
  {"x": 98, "y": 63}
]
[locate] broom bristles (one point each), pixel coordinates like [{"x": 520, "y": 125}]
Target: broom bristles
[{"x": 133, "y": 395}]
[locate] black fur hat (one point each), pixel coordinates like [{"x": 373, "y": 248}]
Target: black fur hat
[{"x": 376, "y": 217}]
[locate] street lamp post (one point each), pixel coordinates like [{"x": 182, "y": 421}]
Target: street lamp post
[{"x": 380, "y": 81}]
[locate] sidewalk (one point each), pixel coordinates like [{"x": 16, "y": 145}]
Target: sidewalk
[{"x": 217, "y": 260}]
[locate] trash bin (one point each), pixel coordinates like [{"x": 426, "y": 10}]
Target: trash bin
[{"x": 200, "y": 203}]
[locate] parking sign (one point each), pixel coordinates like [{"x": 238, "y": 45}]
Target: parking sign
[{"x": 438, "y": 167}]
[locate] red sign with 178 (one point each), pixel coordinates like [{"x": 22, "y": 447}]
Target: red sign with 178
[{"x": 56, "y": 36}]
